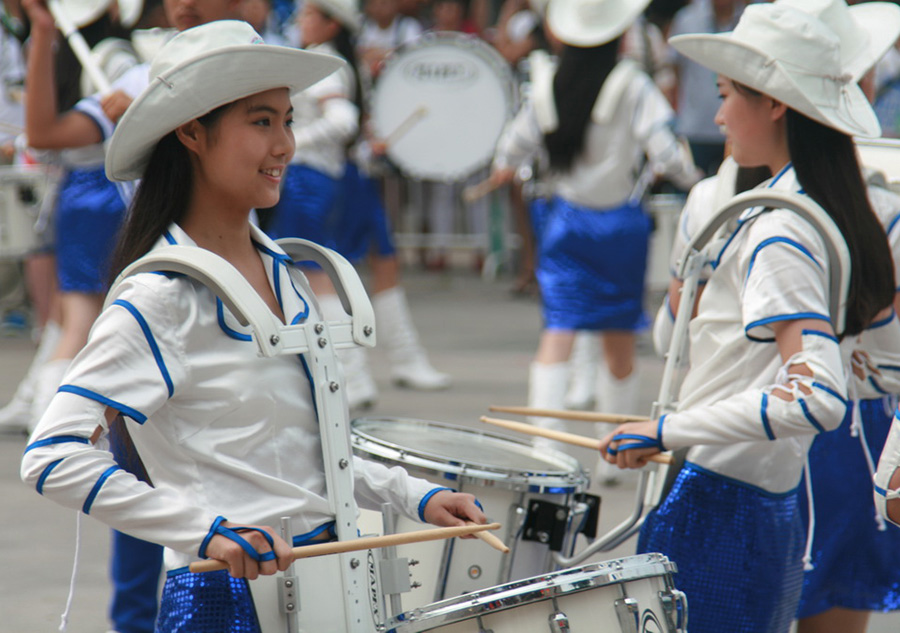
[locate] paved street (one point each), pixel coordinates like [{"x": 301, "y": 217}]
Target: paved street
[{"x": 473, "y": 329}]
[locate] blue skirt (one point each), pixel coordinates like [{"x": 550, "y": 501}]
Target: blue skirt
[
  {"x": 591, "y": 267},
  {"x": 739, "y": 552},
  {"x": 857, "y": 566},
  {"x": 361, "y": 225},
  {"x": 213, "y": 602},
  {"x": 88, "y": 216},
  {"x": 306, "y": 206}
]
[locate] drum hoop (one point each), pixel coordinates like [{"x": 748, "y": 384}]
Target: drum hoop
[
  {"x": 539, "y": 482},
  {"x": 484, "y": 50},
  {"x": 536, "y": 589}
]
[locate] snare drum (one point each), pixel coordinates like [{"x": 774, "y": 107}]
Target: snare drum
[
  {"x": 530, "y": 491},
  {"x": 633, "y": 594},
  {"x": 464, "y": 91},
  {"x": 22, "y": 192}
]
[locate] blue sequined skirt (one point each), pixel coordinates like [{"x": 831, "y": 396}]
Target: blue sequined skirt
[
  {"x": 88, "y": 216},
  {"x": 857, "y": 566},
  {"x": 738, "y": 549},
  {"x": 306, "y": 206},
  {"x": 361, "y": 223},
  {"x": 591, "y": 266},
  {"x": 213, "y": 602}
]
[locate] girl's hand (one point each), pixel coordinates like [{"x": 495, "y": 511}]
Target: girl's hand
[
  {"x": 240, "y": 563},
  {"x": 451, "y": 509},
  {"x": 614, "y": 447}
]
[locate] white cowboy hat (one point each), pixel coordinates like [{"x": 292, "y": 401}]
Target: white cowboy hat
[
  {"x": 199, "y": 70},
  {"x": 587, "y": 23},
  {"x": 792, "y": 57},
  {"x": 344, "y": 11},
  {"x": 130, "y": 12},
  {"x": 866, "y": 30},
  {"x": 84, "y": 12}
]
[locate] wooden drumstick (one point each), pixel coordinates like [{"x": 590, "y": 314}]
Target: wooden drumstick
[
  {"x": 490, "y": 539},
  {"x": 406, "y": 125},
  {"x": 562, "y": 436},
  {"x": 580, "y": 416},
  {"x": 483, "y": 188},
  {"x": 369, "y": 542}
]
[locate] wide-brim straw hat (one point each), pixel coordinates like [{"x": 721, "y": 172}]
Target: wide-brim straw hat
[
  {"x": 792, "y": 57},
  {"x": 344, "y": 11},
  {"x": 587, "y": 23},
  {"x": 867, "y": 31},
  {"x": 199, "y": 70}
]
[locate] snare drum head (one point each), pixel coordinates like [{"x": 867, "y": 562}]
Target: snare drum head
[
  {"x": 464, "y": 92},
  {"x": 447, "y": 448}
]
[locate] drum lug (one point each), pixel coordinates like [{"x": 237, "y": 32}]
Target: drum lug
[
  {"x": 546, "y": 523},
  {"x": 675, "y": 607},
  {"x": 394, "y": 574},
  {"x": 628, "y": 613},
  {"x": 558, "y": 621},
  {"x": 288, "y": 596}
]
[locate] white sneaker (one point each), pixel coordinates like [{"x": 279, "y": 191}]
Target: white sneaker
[
  {"x": 417, "y": 373},
  {"x": 14, "y": 417}
]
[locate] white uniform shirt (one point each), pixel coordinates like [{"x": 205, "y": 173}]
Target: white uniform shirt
[
  {"x": 325, "y": 120},
  {"x": 604, "y": 174},
  {"x": 773, "y": 268},
  {"x": 221, "y": 430}
]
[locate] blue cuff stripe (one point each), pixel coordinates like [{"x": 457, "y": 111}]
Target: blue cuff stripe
[
  {"x": 877, "y": 387},
  {"x": 809, "y": 416},
  {"x": 134, "y": 414},
  {"x": 889, "y": 367},
  {"x": 830, "y": 391},
  {"x": 885, "y": 321},
  {"x": 427, "y": 498},
  {"x": 880, "y": 490},
  {"x": 45, "y": 474},
  {"x": 830, "y": 337},
  {"x": 779, "y": 240},
  {"x": 659, "y": 431},
  {"x": 303, "y": 539},
  {"x": 763, "y": 413},
  {"x": 220, "y": 314},
  {"x": 151, "y": 341},
  {"x": 781, "y": 317},
  {"x": 206, "y": 539},
  {"x": 57, "y": 439},
  {"x": 86, "y": 508}
]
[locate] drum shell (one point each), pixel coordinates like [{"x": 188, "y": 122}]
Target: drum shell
[
  {"x": 450, "y": 568},
  {"x": 593, "y": 597}
]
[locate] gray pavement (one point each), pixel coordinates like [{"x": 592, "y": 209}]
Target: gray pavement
[{"x": 472, "y": 328}]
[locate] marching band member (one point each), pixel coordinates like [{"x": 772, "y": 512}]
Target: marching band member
[
  {"x": 597, "y": 117},
  {"x": 229, "y": 439},
  {"x": 766, "y": 369}
]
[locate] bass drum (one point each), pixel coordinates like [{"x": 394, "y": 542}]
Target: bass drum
[{"x": 441, "y": 103}]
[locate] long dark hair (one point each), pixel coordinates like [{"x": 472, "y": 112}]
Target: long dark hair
[
  {"x": 578, "y": 80},
  {"x": 161, "y": 198},
  {"x": 826, "y": 166}
]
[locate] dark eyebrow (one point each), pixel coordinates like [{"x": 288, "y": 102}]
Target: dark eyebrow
[{"x": 266, "y": 108}]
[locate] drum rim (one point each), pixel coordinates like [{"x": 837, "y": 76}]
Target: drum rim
[
  {"x": 532, "y": 590},
  {"x": 535, "y": 481},
  {"x": 473, "y": 42}
]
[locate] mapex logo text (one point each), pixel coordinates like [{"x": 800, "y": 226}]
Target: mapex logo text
[{"x": 444, "y": 72}]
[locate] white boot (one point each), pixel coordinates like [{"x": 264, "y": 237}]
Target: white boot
[
  {"x": 547, "y": 390},
  {"x": 360, "y": 386},
  {"x": 15, "y": 416},
  {"x": 49, "y": 379},
  {"x": 614, "y": 396},
  {"x": 409, "y": 362},
  {"x": 583, "y": 371}
]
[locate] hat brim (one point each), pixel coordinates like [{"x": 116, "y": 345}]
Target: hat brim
[
  {"x": 754, "y": 68},
  {"x": 84, "y": 12},
  {"x": 340, "y": 12},
  {"x": 881, "y": 23},
  {"x": 223, "y": 76},
  {"x": 571, "y": 29}
]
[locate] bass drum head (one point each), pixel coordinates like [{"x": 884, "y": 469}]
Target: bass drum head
[
  {"x": 452, "y": 450},
  {"x": 464, "y": 92}
]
